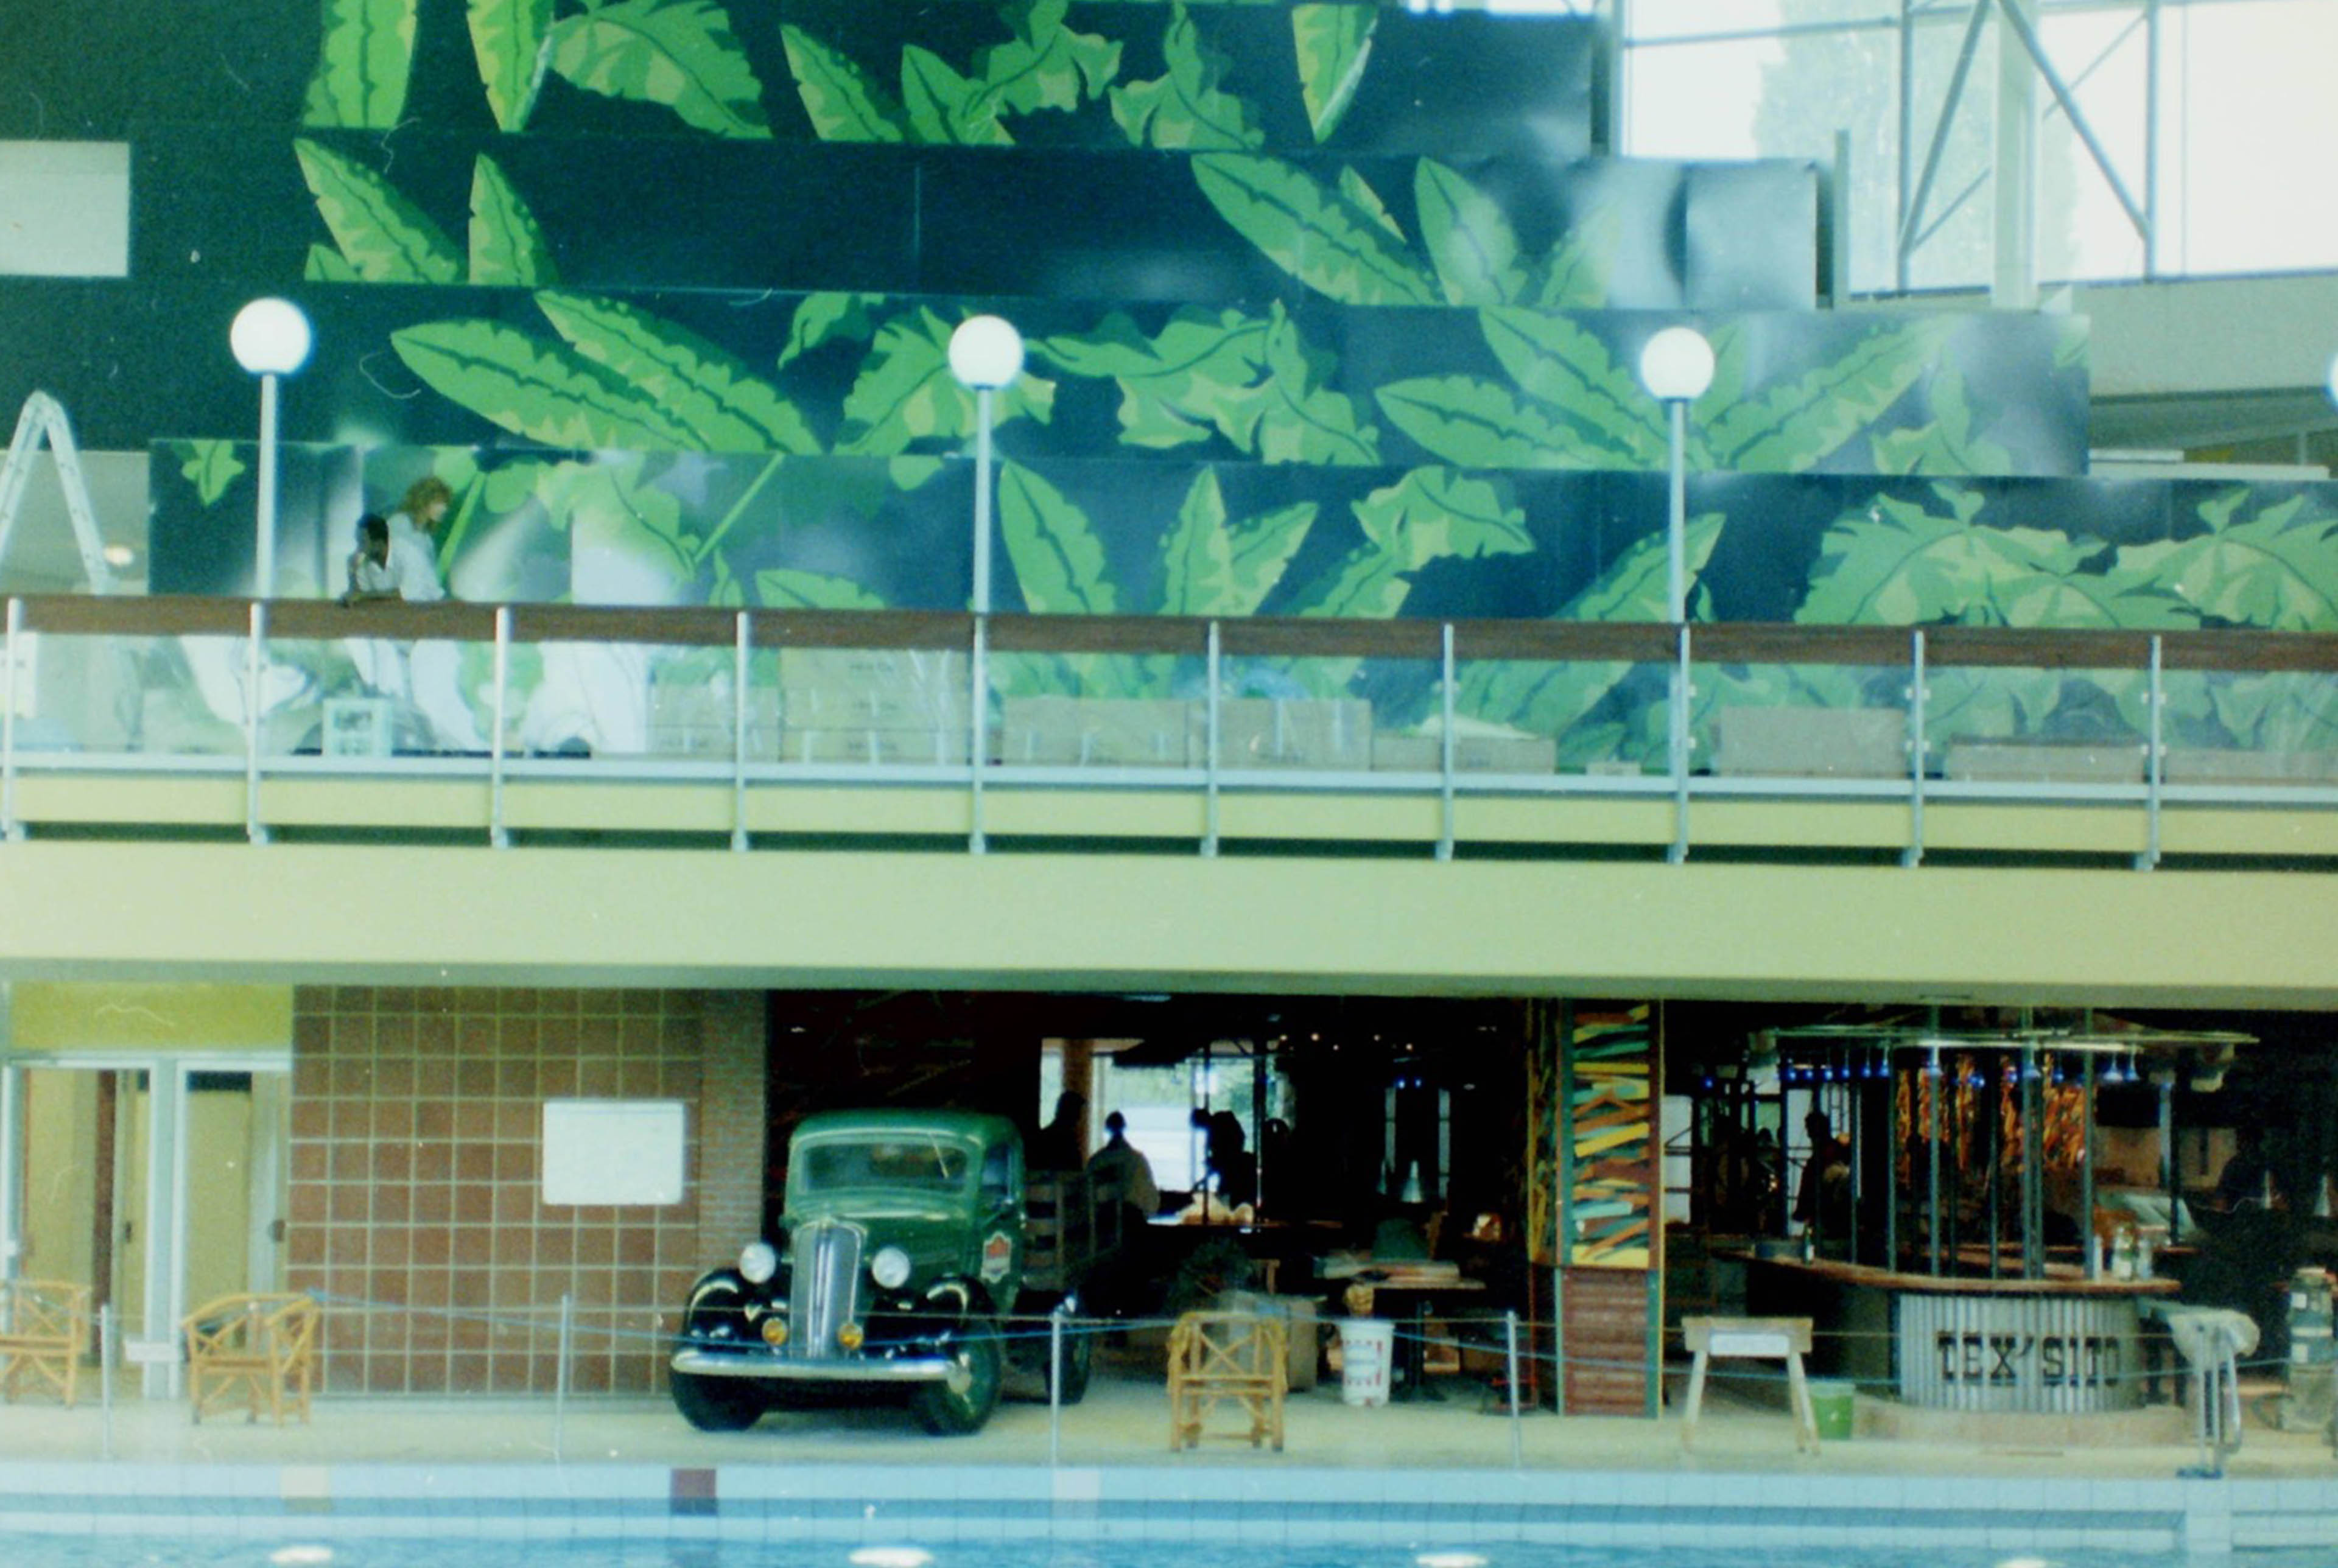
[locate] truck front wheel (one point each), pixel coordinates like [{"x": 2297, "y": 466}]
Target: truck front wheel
[
  {"x": 1079, "y": 1359},
  {"x": 963, "y": 1401}
]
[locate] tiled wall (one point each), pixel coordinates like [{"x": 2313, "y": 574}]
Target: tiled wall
[{"x": 416, "y": 1205}]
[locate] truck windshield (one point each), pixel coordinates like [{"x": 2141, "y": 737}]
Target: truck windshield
[{"x": 906, "y": 1160}]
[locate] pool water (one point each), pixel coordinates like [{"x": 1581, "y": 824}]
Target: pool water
[{"x": 130, "y": 1551}]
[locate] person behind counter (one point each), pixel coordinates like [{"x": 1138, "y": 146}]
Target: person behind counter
[
  {"x": 1123, "y": 1163},
  {"x": 1824, "y": 1202},
  {"x": 1232, "y": 1167},
  {"x": 1057, "y": 1146}
]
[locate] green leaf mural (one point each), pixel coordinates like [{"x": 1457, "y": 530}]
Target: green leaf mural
[
  {"x": 327, "y": 265},
  {"x": 1058, "y": 561},
  {"x": 945, "y": 107},
  {"x": 2276, "y": 568},
  {"x": 1437, "y": 514},
  {"x": 1213, "y": 567},
  {"x": 725, "y": 405},
  {"x": 508, "y": 39},
  {"x": 1553, "y": 699},
  {"x": 1469, "y": 241},
  {"x": 1945, "y": 444},
  {"x": 680, "y": 54},
  {"x": 548, "y": 393},
  {"x": 506, "y": 245},
  {"x": 1579, "y": 270},
  {"x": 1552, "y": 359},
  {"x": 1788, "y": 429},
  {"x": 210, "y": 466},
  {"x": 788, "y": 590},
  {"x": 629, "y": 532},
  {"x": 1184, "y": 108},
  {"x": 1476, "y": 424},
  {"x": 1295, "y": 418},
  {"x": 844, "y": 103},
  {"x": 363, "y": 67},
  {"x": 1322, "y": 237},
  {"x": 385, "y": 238},
  {"x": 1334, "y": 42},
  {"x": 830, "y": 315},
  {"x": 1045, "y": 64},
  {"x": 906, "y": 392}
]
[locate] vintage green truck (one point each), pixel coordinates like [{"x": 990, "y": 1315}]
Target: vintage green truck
[{"x": 915, "y": 1254}]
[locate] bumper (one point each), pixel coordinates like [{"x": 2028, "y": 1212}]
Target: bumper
[{"x": 840, "y": 1369}]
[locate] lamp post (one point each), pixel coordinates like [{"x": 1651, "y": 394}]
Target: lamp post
[
  {"x": 986, "y": 354},
  {"x": 270, "y": 339},
  {"x": 1676, "y": 366}
]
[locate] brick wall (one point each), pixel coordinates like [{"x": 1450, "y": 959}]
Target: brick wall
[{"x": 416, "y": 1203}]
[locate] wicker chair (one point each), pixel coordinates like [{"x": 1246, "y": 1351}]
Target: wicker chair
[
  {"x": 43, "y": 1333},
  {"x": 1217, "y": 1357},
  {"x": 263, "y": 1346}
]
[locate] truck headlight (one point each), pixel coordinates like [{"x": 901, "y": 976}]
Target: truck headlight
[
  {"x": 758, "y": 1261},
  {"x": 889, "y": 1267}
]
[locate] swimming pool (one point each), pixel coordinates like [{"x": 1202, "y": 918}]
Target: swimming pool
[{"x": 127, "y": 1552}]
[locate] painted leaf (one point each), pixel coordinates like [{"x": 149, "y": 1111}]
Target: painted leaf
[
  {"x": 843, "y": 101},
  {"x": 1469, "y": 241},
  {"x": 1211, "y": 568},
  {"x": 945, "y": 107},
  {"x": 1433, "y": 513},
  {"x": 1462, "y": 420},
  {"x": 1898, "y": 564},
  {"x": 1553, "y": 360},
  {"x": 1945, "y": 443},
  {"x": 1200, "y": 372},
  {"x": 327, "y": 265},
  {"x": 544, "y": 391},
  {"x": 628, "y": 538},
  {"x": 363, "y": 67},
  {"x": 1790, "y": 428},
  {"x": 677, "y": 53},
  {"x": 210, "y": 466},
  {"x": 725, "y": 407},
  {"x": 1333, "y": 43},
  {"x": 906, "y": 392},
  {"x": 1046, "y": 65},
  {"x": 508, "y": 39},
  {"x": 506, "y": 245},
  {"x": 1058, "y": 561},
  {"x": 2276, "y": 568},
  {"x": 1184, "y": 108},
  {"x": 1358, "y": 189},
  {"x": 1551, "y": 698},
  {"x": 1580, "y": 270},
  {"x": 385, "y": 238},
  {"x": 1295, "y": 418},
  {"x": 1319, "y": 236},
  {"x": 782, "y": 589},
  {"x": 827, "y": 315},
  {"x": 2277, "y": 712}
]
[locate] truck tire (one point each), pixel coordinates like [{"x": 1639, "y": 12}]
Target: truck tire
[
  {"x": 1079, "y": 1360},
  {"x": 964, "y": 1402},
  {"x": 718, "y": 1404}
]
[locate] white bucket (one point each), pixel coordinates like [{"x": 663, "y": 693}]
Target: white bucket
[{"x": 1367, "y": 1349}]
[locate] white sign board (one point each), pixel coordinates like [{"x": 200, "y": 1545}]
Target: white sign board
[
  {"x": 1745, "y": 1344},
  {"x": 614, "y": 1151}
]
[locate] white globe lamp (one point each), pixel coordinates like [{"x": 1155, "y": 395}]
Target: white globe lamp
[
  {"x": 1676, "y": 365},
  {"x": 986, "y": 352},
  {"x": 269, "y": 338}
]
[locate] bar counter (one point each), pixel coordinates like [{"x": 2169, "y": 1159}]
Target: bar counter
[{"x": 2064, "y": 1343}]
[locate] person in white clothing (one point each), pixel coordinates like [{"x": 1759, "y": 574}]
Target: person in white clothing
[
  {"x": 372, "y": 575},
  {"x": 435, "y": 667}
]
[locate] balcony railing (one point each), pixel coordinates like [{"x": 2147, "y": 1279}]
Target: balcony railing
[{"x": 1447, "y": 712}]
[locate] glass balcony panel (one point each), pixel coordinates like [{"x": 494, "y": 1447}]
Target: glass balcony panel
[
  {"x": 1799, "y": 720},
  {"x": 191, "y": 695},
  {"x": 1330, "y": 714},
  {"x": 2250, "y": 729},
  {"x": 82, "y": 693},
  {"x": 1589, "y": 716},
  {"x": 1097, "y": 710},
  {"x": 875, "y": 706},
  {"x": 2014, "y": 726}
]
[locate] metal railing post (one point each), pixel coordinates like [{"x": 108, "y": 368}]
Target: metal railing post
[
  {"x": 2155, "y": 759},
  {"x": 1918, "y": 749},
  {"x": 1055, "y": 1386},
  {"x": 253, "y": 665},
  {"x": 1211, "y": 713},
  {"x": 978, "y": 694},
  {"x": 498, "y": 836},
  {"x": 9, "y": 827},
  {"x": 739, "y": 668},
  {"x": 1678, "y": 747},
  {"x": 560, "y": 1378},
  {"x": 1445, "y": 749},
  {"x": 1510, "y": 1359}
]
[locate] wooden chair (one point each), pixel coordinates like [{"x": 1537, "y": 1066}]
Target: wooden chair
[
  {"x": 263, "y": 1345},
  {"x": 44, "y": 1332},
  {"x": 1219, "y": 1356}
]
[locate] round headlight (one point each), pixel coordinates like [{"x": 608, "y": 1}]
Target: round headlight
[
  {"x": 758, "y": 1261},
  {"x": 889, "y": 1267}
]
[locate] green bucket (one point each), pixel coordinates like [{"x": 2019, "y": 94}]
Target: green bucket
[{"x": 1831, "y": 1405}]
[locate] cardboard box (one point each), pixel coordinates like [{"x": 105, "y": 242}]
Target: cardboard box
[
  {"x": 1812, "y": 742},
  {"x": 2012, "y": 762},
  {"x": 2200, "y": 765},
  {"x": 1096, "y": 733},
  {"x": 876, "y": 688},
  {"x": 1321, "y": 733},
  {"x": 358, "y": 727},
  {"x": 872, "y": 746},
  {"x": 689, "y": 720}
]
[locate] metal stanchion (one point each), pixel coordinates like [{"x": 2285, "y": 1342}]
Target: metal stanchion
[
  {"x": 1055, "y": 1386},
  {"x": 560, "y": 1382},
  {"x": 1518, "y": 1432},
  {"x": 105, "y": 1375}
]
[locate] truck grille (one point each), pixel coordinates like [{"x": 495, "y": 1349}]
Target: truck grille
[{"x": 825, "y": 1293}]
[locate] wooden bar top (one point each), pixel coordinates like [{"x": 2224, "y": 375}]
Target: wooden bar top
[{"x": 2061, "y": 1280}]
